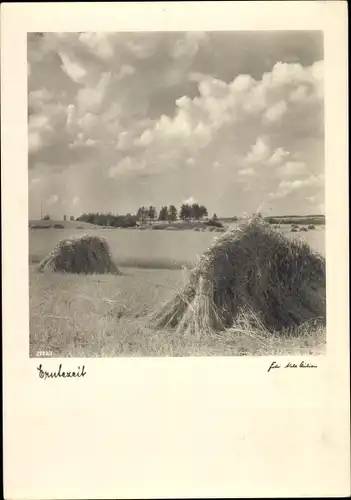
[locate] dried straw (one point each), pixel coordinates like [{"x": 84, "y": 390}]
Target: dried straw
[
  {"x": 251, "y": 271},
  {"x": 81, "y": 254}
]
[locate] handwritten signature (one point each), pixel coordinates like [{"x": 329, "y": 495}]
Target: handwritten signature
[{"x": 302, "y": 364}]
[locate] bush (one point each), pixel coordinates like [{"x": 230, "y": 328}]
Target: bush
[
  {"x": 214, "y": 223},
  {"x": 311, "y": 226},
  {"x": 58, "y": 226},
  {"x": 41, "y": 226}
]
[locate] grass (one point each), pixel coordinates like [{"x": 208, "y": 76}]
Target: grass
[
  {"x": 294, "y": 219},
  {"x": 61, "y": 224},
  {"x": 106, "y": 315}
]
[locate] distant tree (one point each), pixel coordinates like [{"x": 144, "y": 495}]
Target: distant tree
[
  {"x": 172, "y": 213},
  {"x": 214, "y": 217},
  {"x": 96, "y": 219},
  {"x": 182, "y": 211},
  {"x": 109, "y": 219},
  {"x": 71, "y": 217},
  {"x": 46, "y": 217},
  {"x": 185, "y": 211},
  {"x": 128, "y": 220},
  {"x": 196, "y": 211},
  {"x": 142, "y": 214},
  {"x": 203, "y": 211},
  {"x": 163, "y": 214},
  {"x": 65, "y": 217},
  {"x": 151, "y": 213}
]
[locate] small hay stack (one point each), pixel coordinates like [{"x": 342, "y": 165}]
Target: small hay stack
[
  {"x": 252, "y": 275},
  {"x": 81, "y": 254}
]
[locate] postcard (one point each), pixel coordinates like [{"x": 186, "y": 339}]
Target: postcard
[{"x": 175, "y": 250}]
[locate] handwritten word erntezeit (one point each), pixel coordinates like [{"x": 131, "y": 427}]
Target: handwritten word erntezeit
[
  {"x": 80, "y": 372},
  {"x": 302, "y": 364}
]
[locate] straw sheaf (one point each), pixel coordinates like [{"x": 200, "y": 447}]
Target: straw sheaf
[
  {"x": 80, "y": 254},
  {"x": 251, "y": 270}
]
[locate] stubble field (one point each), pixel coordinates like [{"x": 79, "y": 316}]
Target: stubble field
[{"x": 105, "y": 315}]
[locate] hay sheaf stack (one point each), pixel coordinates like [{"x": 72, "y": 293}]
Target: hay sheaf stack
[
  {"x": 80, "y": 254},
  {"x": 252, "y": 274}
]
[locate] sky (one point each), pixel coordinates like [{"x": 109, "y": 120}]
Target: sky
[{"x": 231, "y": 120}]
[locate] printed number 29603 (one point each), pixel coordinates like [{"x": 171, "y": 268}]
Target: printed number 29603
[{"x": 44, "y": 353}]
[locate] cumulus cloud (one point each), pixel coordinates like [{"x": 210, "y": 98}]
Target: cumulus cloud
[
  {"x": 72, "y": 68},
  {"x": 311, "y": 199},
  {"x": 292, "y": 168},
  {"x": 259, "y": 151},
  {"x": 142, "y": 48},
  {"x": 298, "y": 94},
  {"x": 90, "y": 99},
  {"x": 190, "y": 201},
  {"x": 99, "y": 44},
  {"x": 287, "y": 187},
  {"x": 188, "y": 45},
  {"x": 52, "y": 200},
  {"x": 190, "y": 162},
  {"x": 274, "y": 113},
  {"x": 124, "y": 106},
  {"x": 127, "y": 166},
  {"x": 246, "y": 172},
  {"x": 277, "y": 157},
  {"x": 236, "y": 107},
  {"x": 90, "y": 142}
]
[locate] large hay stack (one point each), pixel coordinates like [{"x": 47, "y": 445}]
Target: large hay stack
[
  {"x": 254, "y": 275},
  {"x": 81, "y": 254}
]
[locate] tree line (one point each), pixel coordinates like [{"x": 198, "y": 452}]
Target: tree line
[
  {"x": 147, "y": 214},
  {"x": 170, "y": 213},
  {"x": 100, "y": 219}
]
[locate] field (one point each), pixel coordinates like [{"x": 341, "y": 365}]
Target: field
[{"x": 85, "y": 316}]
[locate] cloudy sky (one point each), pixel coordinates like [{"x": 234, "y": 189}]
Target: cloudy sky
[{"x": 233, "y": 120}]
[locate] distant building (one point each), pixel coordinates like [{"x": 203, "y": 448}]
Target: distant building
[{"x": 72, "y": 217}]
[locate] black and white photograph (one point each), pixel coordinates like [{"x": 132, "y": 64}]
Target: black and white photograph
[
  {"x": 175, "y": 231},
  {"x": 176, "y": 193}
]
